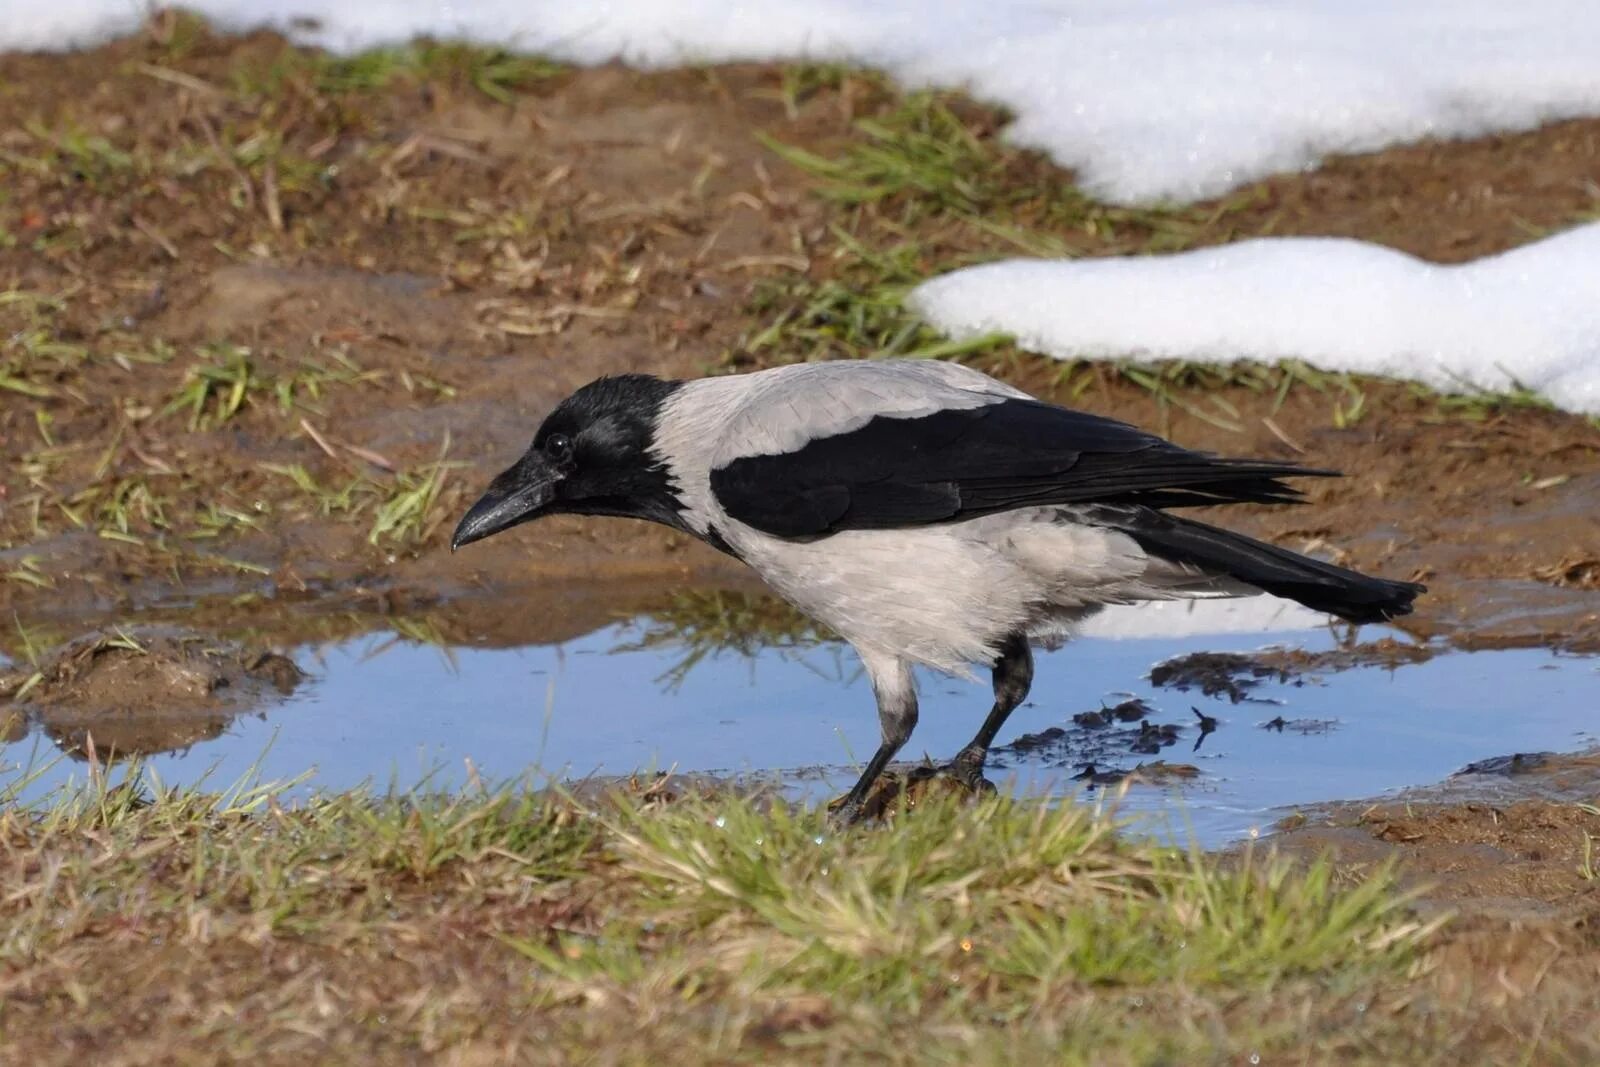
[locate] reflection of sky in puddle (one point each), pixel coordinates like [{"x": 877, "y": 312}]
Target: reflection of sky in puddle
[{"x": 582, "y": 708}]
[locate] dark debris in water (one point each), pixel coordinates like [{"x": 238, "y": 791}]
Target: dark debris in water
[
  {"x": 1236, "y": 675},
  {"x": 1158, "y": 772},
  {"x": 1516, "y": 763},
  {"x": 1034, "y": 744},
  {"x": 1094, "y": 740},
  {"x": 1059, "y": 746},
  {"x": 1230, "y": 674},
  {"x": 1127, "y": 711},
  {"x": 1278, "y": 724},
  {"x": 1153, "y": 738}
]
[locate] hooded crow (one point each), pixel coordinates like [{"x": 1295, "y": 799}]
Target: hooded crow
[{"x": 925, "y": 512}]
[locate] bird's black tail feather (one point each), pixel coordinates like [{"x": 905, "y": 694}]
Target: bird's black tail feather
[{"x": 1320, "y": 586}]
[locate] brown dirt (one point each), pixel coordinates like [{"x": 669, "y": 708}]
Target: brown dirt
[
  {"x": 1509, "y": 838},
  {"x": 1509, "y": 854},
  {"x": 1451, "y": 201},
  {"x": 127, "y": 694}
]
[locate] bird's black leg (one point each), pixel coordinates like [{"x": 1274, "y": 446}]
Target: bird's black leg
[
  {"x": 897, "y": 716},
  {"x": 1013, "y": 677}
]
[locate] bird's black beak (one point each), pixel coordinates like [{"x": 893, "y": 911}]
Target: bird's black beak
[{"x": 517, "y": 496}]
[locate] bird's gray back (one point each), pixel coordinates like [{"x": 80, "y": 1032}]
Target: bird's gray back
[
  {"x": 712, "y": 421},
  {"x": 783, "y": 409}
]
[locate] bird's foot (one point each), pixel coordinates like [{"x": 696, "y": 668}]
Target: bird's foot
[
  {"x": 962, "y": 775},
  {"x": 846, "y": 811},
  {"x": 910, "y": 787},
  {"x": 967, "y": 768}
]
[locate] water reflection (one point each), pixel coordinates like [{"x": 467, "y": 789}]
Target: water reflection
[{"x": 737, "y": 686}]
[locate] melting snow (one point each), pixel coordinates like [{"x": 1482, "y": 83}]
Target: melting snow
[
  {"x": 1147, "y": 99},
  {"x": 1530, "y": 316}
]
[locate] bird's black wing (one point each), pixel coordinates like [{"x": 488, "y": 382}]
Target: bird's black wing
[{"x": 959, "y": 464}]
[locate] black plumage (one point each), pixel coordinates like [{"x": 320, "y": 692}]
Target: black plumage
[{"x": 963, "y": 463}]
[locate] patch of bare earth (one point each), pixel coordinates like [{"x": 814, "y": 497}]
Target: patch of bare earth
[
  {"x": 1508, "y": 848},
  {"x": 122, "y": 694}
]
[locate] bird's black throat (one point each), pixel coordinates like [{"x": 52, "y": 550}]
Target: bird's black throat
[
  {"x": 615, "y": 472},
  {"x": 591, "y": 456}
]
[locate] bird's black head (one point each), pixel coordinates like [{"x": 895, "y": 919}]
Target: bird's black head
[{"x": 590, "y": 457}]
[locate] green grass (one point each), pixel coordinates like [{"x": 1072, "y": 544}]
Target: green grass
[
  {"x": 801, "y": 81},
  {"x": 217, "y": 387},
  {"x": 732, "y": 927},
  {"x": 75, "y": 486},
  {"x": 497, "y": 73},
  {"x": 927, "y": 186},
  {"x": 226, "y": 379},
  {"x": 406, "y": 507},
  {"x": 932, "y": 155},
  {"x": 920, "y": 158},
  {"x": 34, "y": 360},
  {"x": 27, "y": 572},
  {"x": 1195, "y": 388},
  {"x": 858, "y": 313},
  {"x": 241, "y": 845},
  {"x": 1477, "y": 404},
  {"x": 411, "y": 511},
  {"x": 920, "y": 153},
  {"x": 913, "y": 162},
  {"x": 75, "y": 156},
  {"x": 1021, "y": 894}
]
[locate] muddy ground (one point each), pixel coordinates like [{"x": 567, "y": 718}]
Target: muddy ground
[
  {"x": 254, "y": 298},
  {"x": 270, "y": 320}
]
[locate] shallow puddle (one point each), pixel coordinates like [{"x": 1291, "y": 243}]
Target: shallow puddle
[{"x": 638, "y": 697}]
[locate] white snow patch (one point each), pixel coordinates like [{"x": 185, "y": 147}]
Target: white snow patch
[
  {"x": 1147, "y": 99},
  {"x": 1530, "y": 316},
  {"x": 1197, "y": 618}
]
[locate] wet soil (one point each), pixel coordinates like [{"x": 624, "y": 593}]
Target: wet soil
[
  {"x": 1506, "y": 850},
  {"x": 1511, "y": 837},
  {"x": 132, "y": 693},
  {"x": 419, "y": 271}
]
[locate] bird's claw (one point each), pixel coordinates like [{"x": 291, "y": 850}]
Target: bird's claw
[
  {"x": 965, "y": 773},
  {"x": 845, "y": 811},
  {"x": 968, "y": 770},
  {"x": 908, "y": 787},
  {"x": 844, "y": 818}
]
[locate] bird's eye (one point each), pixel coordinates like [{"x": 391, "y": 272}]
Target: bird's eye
[{"x": 558, "y": 445}]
